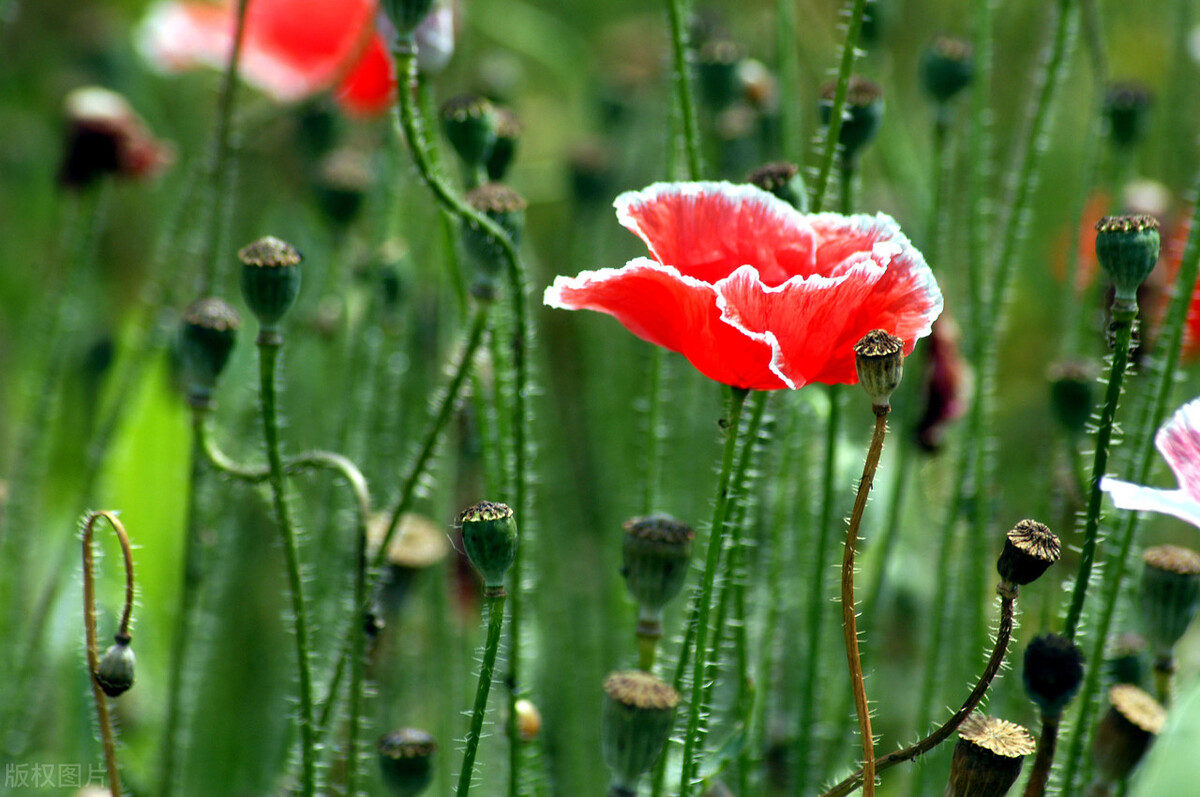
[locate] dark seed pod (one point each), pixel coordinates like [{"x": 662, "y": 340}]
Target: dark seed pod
[
  {"x": 469, "y": 122},
  {"x": 657, "y": 550},
  {"x": 947, "y": 67},
  {"x": 406, "y": 15},
  {"x": 1170, "y": 596},
  {"x": 1029, "y": 549},
  {"x": 879, "y": 361},
  {"x": 270, "y": 282},
  {"x": 635, "y": 723},
  {"x": 863, "y": 114},
  {"x": 782, "y": 179},
  {"x": 1127, "y": 106},
  {"x": 1127, "y": 248},
  {"x": 114, "y": 673},
  {"x": 1073, "y": 395},
  {"x": 717, "y": 69},
  {"x": 508, "y": 133},
  {"x": 504, "y": 206},
  {"x": 1125, "y": 660},
  {"x": 490, "y": 537},
  {"x": 1125, "y": 732},
  {"x": 1053, "y": 672},
  {"x": 206, "y": 341},
  {"x": 987, "y": 759},
  {"x": 342, "y": 181},
  {"x": 406, "y": 761}
]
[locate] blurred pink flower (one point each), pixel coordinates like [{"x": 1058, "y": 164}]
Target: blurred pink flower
[{"x": 1179, "y": 442}]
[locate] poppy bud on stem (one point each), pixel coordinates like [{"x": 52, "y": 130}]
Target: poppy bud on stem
[{"x": 114, "y": 674}]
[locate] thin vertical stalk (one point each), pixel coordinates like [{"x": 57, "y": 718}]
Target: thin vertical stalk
[
  {"x": 268, "y": 355},
  {"x": 849, "y": 619},
  {"x": 654, "y": 431},
  {"x": 89, "y": 621},
  {"x": 681, "y": 79},
  {"x": 495, "y": 607},
  {"x": 1176, "y": 317},
  {"x": 788, "y": 59},
  {"x": 716, "y": 539},
  {"x": 1036, "y": 785},
  {"x": 833, "y": 132}
]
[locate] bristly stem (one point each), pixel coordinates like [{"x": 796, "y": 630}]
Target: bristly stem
[
  {"x": 89, "y": 622},
  {"x": 495, "y": 608},
  {"x": 1189, "y": 269},
  {"x": 716, "y": 539},
  {"x": 834, "y": 130},
  {"x": 268, "y": 355},
  {"x": 214, "y": 198},
  {"x": 1036, "y": 786},
  {"x": 1003, "y": 636},
  {"x": 849, "y": 620},
  {"x": 787, "y": 56},
  {"x": 1122, "y": 330},
  {"x": 682, "y": 80}
]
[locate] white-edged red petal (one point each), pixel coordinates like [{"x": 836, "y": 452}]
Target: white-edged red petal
[
  {"x": 1178, "y": 440},
  {"x": 1176, "y": 503}
]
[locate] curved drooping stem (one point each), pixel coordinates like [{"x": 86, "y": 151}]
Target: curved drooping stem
[{"x": 107, "y": 737}]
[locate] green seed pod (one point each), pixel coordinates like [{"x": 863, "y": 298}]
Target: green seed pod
[
  {"x": 1125, "y": 732},
  {"x": 947, "y": 67},
  {"x": 270, "y": 283},
  {"x": 1125, "y": 660},
  {"x": 490, "y": 537},
  {"x": 504, "y": 206},
  {"x": 1170, "y": 596},
  {"x": 1029, "y": 549},
  {"x": 784, "y": 181},
  {"x": 1127, "y": 247},
  {"x": 635, "y": 724},
  {"x": 656, "y": 550},
  {"x": 342, "y": 180},
  {"x": 1127, "y": 107},
  {"x": 114, "y": 673},
  {"x": 206, "y": 340},
  {"x": 469, "y": 122},
  {"x": 879, "y": 360},
  {"x": 508, "y": 133},
  {"x": 717, "y": 70},
  {"x": 406, "y": 15},
  {"x": 987, "y": 759},
  {"x": 1073, "y": 395},
  {"x": 1053, "y": 672},
  {"x": 592, "y": 174},
  {"x": 406, "y": 761},
  {"x": 863, "y": 114}
]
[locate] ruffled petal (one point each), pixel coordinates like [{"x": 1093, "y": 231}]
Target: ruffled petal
[
  {"x": 370, "y": 88},
  {"x": 1176, "y": 503},
  {"x": 816, "y": 321},
  {"x": 708, "y": 230},
  {"x": 291, "y": 48},
  {"x": 680, "y": 313},
  {"x": 1178, "y": 440}
]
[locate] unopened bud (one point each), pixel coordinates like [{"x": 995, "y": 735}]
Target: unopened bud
[
  {"x": 114, "y": 673},
  {"x": 528, "y": 719}
]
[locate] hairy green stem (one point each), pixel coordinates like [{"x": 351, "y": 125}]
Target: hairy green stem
[
  {"x": 788, "y": 58},
  {"x": 716, "y": 540},
  {"x": 495, "y": 607},
  {"x": 833, "y": 132},
  {"x": 268, "y": 355},
  {"x": 682, "y": 82}
]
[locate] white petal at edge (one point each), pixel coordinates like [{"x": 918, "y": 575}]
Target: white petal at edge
[{"x": 1176, "y": 503}]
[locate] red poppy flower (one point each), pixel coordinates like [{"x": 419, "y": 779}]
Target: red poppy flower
[
  {"x": 105, "y": 136},
  {"x": 754, "y": 293},
  {"x": 291, "y": 48}
]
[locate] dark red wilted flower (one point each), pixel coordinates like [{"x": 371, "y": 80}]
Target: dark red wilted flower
[
  {"x": 754, "y": 293},
  {"x": 106, "y": 136},
  {"x": 291, "y": 48},
  {"x": 942, "y": 383}
]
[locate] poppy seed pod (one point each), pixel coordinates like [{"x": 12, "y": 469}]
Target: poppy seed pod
[
  {"x": 406, "y": 15},
  {"x": 656, "y": 550},
  {"x": 114, "y": 673},
  {"x": 206, "y": 340},
  {"x": 636, "y": 721},
  {"x": 1072, "y": 395},
  {"x": 490, "y": 537},
  {"x": 270, "y": 283},
  {"x": 717, "y": 70},
  {"x": 469, "y": 122},
  {"x": 1127, "y": 248},
  {"x": 784, "y": 180},
  {"x": 987, "y": 759},
  {"x": 879, "y": 361},
  {"x": 1170, "y": 596},
  {"x": 863, "y": 114},
  {"x": 342, "y": 180},
  {"x": 1029, "y": 549},
  {"x": 1127, "y": 106},
  {"x": 947, "y": 67},
  {"x": 504, "y": 206},
  {"x": 1053, "y": 672},
  {"x": 1125, "y": 732},
  {"x": 504, "y": 149},
  {"x": 406, "y": 761},
  {"x": 1125, "y": 659}
]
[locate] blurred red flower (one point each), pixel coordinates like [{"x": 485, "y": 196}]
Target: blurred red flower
[
  {"x": 291, "y": 48},
  {"x": 105, "y": 136},
  {"x": 754, "y": 293}
]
